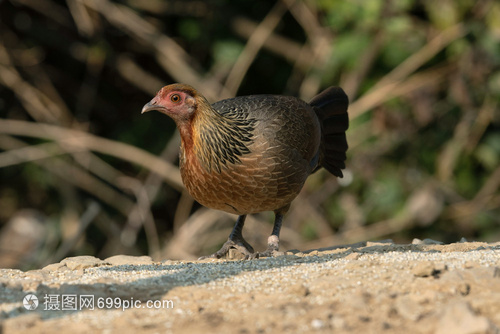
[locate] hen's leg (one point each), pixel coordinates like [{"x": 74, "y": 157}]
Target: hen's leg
[
  {"x": 273, "y": 241},
  {"x": 235, "y": 240}
]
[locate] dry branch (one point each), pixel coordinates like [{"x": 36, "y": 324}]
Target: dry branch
[
  {"x": 180, "y": 65},
  {"x": 79, "y": 140},
  {"x": 254, "y": 44}
]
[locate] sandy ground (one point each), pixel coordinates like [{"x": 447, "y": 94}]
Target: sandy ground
[{"x": 363, "y": 288}]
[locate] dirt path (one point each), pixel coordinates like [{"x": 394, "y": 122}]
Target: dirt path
[{"x": 364, "y": 288}]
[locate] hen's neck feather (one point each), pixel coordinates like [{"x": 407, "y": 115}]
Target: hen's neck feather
[{"x": 220, "y": 138}]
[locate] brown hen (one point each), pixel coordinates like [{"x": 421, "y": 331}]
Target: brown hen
[{"x": 253, "y": 153}]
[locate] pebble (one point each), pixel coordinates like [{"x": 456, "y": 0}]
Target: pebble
[
  {"x": 82, "y": 262},
  {"x": 423, "y": 269},
  {"x": 417, "y": 241},
  {"x": 119, "y": 260},
  {"x": 299, "y": 290},
  {"x": 379, "y": 243},
  {"x": 428, "y": 268},
  {"x": 54, "y": 267},
  {"x": 317, "y": 324}
]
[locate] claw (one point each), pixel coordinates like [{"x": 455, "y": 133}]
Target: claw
[
  {"x": 239, "y": 244},
  {"x": 268, "y": 253},
  {"x": 252, "y": 256}
]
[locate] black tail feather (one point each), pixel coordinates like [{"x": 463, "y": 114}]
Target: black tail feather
[{"x": 331, "y": 109}]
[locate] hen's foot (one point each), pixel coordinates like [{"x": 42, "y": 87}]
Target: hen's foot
[
  {"x": 271, "y": 251},
  {"x": 239, "y": 244}
]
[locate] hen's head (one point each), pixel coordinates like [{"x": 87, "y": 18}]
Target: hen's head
[{"x": 178, "y": 101}]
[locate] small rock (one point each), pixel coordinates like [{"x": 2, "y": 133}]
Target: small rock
[
  {"x": 384, "y": 242},
  {"x": 416, "y": 241},
  {"x": 458, "y": 318},
  {"x": 463, "y": 240},
  {"x": 432, "y": 242},
  {"x": 119, "y": 260},
  {"x": 82, "y": 262},
  {"x": 424, "y": 269},
  {"x": 439, "y": 267},
  {"x": 317, "y": 324},
  {"x": 300, "y": 290},
  {"x": 54, "y": 267},
  {"x": 463, "y": 289}
]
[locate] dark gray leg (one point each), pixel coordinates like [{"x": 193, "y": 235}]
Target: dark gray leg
[
  {"x": 274, "y": 239},
  {"x": 235, "y": 240}
]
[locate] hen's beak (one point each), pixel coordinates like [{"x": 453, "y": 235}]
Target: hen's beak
[{"x": 148, "y": 107}]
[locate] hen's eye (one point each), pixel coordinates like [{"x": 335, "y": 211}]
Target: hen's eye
[{"x": 176, "y": 98}]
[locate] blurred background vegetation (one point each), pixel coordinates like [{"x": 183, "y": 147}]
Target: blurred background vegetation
[{"x": 82, "y": 172}]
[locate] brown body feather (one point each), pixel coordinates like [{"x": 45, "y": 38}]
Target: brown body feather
[{"x": 244, "y": 160}]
